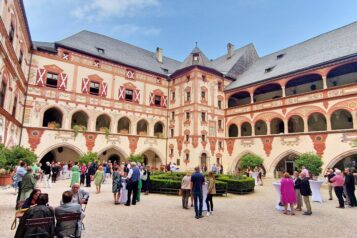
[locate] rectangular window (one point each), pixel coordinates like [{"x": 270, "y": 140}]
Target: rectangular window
[
  {"x": 219, "y": 85},
  {"x": 220, "y": 145},
  {"x": 172, "y": 133},
  {"x": 173, "y": 96},
  {"x": 14, "y": 107},
  {"x": 157, "y": 101},
  {"x": 203, "y": 116},
  {"x": 204, "y": 79},
  {"x": 203, "y": 137},
  {"x": 187, "y": 156},
  {"x": 219, "y": 104},
  {"x": 187, "y": 116},
  {"x": 203, "y": 95},
  {"x": 128, "y": 95},
  {"x": 220, "y": 124},
  {"x": 188, "y": 96},
  {"x": 11, "y": 32},
  {"x": 21, "y": 56},
  {"x": 94, "y": 88},
  {"x": 51, "y": 80},
  {"x": 178, "y": 162},
  {"x": 173, "y": 115},
  {"x": 2, "y": 94},
  {"x": 188, "y": 78},
  {"x": 187, "y": 137},
  {"x": 171, "y": 151}
]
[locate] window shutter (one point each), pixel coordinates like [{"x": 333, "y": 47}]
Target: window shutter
[
  {"x": 164, "y": 101},
  {"x": 152, "y": 99},
  {"x": 85, "y": 85},
  {"x": 41, "y": 77},
  {"x": 104, "y": 89},
  {"x": 121, "y": 93},
  {"x": 136, "y": 95},
  {"x": 63, "y": 78}
]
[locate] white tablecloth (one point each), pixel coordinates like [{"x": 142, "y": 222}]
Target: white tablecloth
[
  {"x": 277, "y": 189},
  {"x": 255, "y": 176},
  {"x": 315, "y": 189},
  {"x": 123, "y": 194},
  {"x": 204, "y": 192}
]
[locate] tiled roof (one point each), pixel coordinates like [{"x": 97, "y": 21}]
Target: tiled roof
[
  {"x": 326, "y": 47},
  {"x": 202, "y": 60}
]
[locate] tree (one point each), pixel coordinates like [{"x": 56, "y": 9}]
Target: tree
[
  {"x": 251, "y": 161},
  {"x": 17, "y": 153},
  {"x": 311, "y": 162},
  {"x": 136, "y": 158},
  {"x": 88, "y": 157}
]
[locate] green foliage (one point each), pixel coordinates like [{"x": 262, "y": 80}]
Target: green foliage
[
  {"x": 238, "y": 184},
  {"x": 136, "y": 158},
  {"x": 106, "y": 131},
  {"x": 78, "y": 128},
  {"x": 88, "y": 157},
  {"x": 9, "y": 158},
  {"x": 251, "y": 161},
  {"x": 311, "y": 161}
]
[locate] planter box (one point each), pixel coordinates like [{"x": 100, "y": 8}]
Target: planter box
[{"x": 5, "y": 180}]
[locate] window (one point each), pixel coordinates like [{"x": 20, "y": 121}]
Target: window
[
  {"x": 187, "y": 156},
  {"x": 173, "y": 96},
  {"x": 203, "y": 95},
  {"x": 173, "y": 115},
  {"x": 21, "y": 56},
  {"x": 267, "y": 70},
  {"x": 172, "y": 132},
  {"x": 219, "y": 124},
  {"x": 157, "y": 100},
  {"x": 204, "y": 79},
  {"x": 219, "y": 86},
  {"x": 11, "y": 32},
  {"x": 188, "y": 78},
  {"x": 178, "y": 162},
  {"x": 2, "y": 93},
  {"x": 203, "y": 137},
  {"x": 165, "y": 70},
  {"x": 203, "y": 116},
  {"x": 219, "y": 104},
  {"x": 187, "y": 137},
  {"x": 94, "y": 88},
  {"x": 187, "y": 116},
  {"x": 100, "y": 50},
  {"x": 188, "y": 96},
  {"x": 96, "y": 63},
  {"x": 51, "y": 80},
  {"x": 128, "y": 95},
  {"x": 14, "y": 107},
  {"x": 195, "y": 58},
  {"x": 280, "y": 56},
  {"x": 220, "y": 145},
  {"x": 158, "y": 80},
  {"x": 171, "y": 151}
]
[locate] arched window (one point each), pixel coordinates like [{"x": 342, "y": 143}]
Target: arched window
[
  {"x": 342, "y": 75},
  {"x": 52, "y": 118},
  {"x": 341, "y": 119},
  {"x": 276, "y": 126},
  {"x": 124, "y": 125},
  {"x": 267, "y": 92},
  {"x": 317, "y": 122},
  {"x": 233, "y": 130},
  {"x": 239, "y": 99},
  {"x": 295, "y": 124},
  {"x": 102, "y": 123},
  {"x": 159, "y": 130},
  {"x": 260, "y": 128},
  {"x": 246, "y": 129},
  {"x": 304, "y": 84},
  {"x": 142, "y": 127},
  {"x": 79, "y": 118}
]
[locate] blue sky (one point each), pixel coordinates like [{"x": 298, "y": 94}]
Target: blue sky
[{"x": 175, "y": 25}]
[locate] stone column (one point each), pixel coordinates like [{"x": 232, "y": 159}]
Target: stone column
[
  {"x": 286, "y": 127},
  {"x": 268, "y": 127},
  {"x": 306, "y": 125},
  {"x": 328, "y": 122},
  {"x": 324, "y": 81},
  {"x": 251, "y": 98},
  {"x": 283, "y": 90}
]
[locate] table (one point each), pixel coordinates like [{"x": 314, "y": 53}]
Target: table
[
  {"x": 204, "y": 192},
  {"x": 255, "y": 176},
  {"x": 315, "y": 189},
  {"x": 277, "y": 189},
  {"x": 123, "y": 194}
]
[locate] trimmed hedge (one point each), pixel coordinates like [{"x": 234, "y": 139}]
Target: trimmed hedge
[{"x": 170, "y": 183}]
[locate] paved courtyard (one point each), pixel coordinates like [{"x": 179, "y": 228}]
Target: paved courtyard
[{"x": 161, "y": 216}]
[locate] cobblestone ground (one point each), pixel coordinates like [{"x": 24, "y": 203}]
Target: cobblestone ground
[{"x": 250, "y": 215}]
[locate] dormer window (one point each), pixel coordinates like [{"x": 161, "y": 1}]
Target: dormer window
[
  {"x": 268, "y": 70},
  {"x": 280, "y": 56},
  {"x": 100, "y": 50},
  {"x": 166, "y": 71},
  {"x": 195, "y": 57}
]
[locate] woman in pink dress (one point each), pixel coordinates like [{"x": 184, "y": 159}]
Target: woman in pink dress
[{"x": 287, "y": 191}]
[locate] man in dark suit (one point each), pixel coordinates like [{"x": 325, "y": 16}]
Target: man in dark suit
[
  {"x": 350, "y": 187},
  {"x": 68, "y": 228},
  {"x": 305, "y": 191}
]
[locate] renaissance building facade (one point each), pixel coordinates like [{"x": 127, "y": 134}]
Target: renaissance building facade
[{"x": 90, "y": 92}]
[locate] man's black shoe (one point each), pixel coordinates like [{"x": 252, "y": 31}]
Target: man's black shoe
[
  {"x": 197, "y": 217},
  {"x": 127, "y": 204},
  {"x": 200, "y": 216}
]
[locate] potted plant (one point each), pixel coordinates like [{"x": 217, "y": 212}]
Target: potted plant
[
  {"x": 105, "y": 130},
  {"x": 79, "y": 128},
  {"x": 311, "y": 161},
  {"x": 5, "y": 177}
]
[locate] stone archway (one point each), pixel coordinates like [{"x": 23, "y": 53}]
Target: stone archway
[
  {"x": 284, "y": 163},
  {"x": 60, "y": 153},
  {"x": 345, "y": 160},
  {"x": 152, "y": 158},
  {"x": 112, "y": 153}
]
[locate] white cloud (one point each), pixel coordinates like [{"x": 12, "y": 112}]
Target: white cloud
[
  {"x": 129, "y": 29},
  {"x": 100, "y": 9}
]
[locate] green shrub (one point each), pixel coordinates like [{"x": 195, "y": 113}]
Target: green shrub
[
  {"x": 238, "y": 184},
  {"x": 311, "y": 161},
  {"x": 88, "y": 157},
  {"x": 251, "y": 161}
]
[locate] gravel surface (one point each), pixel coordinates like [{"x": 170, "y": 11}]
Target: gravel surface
[{"x": 156, "y": 215}]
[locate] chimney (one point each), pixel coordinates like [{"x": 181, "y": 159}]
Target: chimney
[
  {"x": 159, "y": 54},
  {"x": 230, "y": 50}
]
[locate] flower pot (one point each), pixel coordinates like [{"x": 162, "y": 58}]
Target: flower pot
[{"x": 5, "y": 179}]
